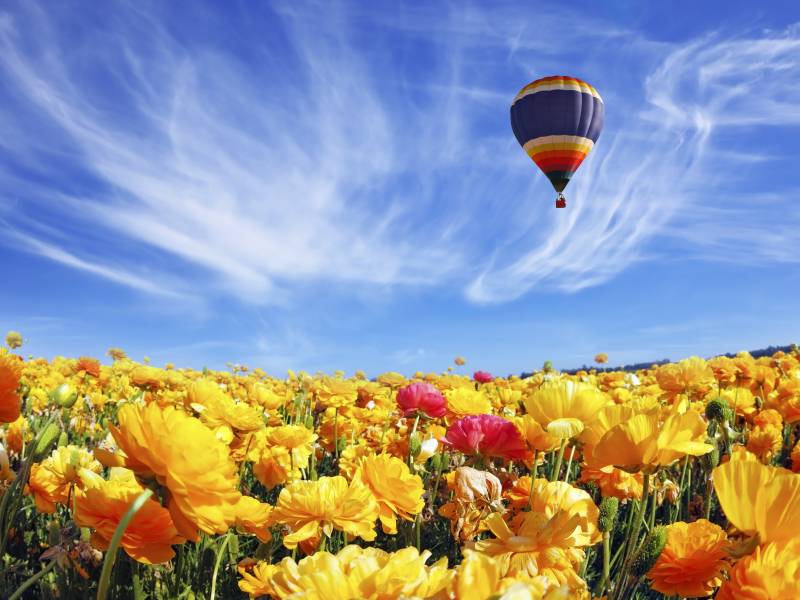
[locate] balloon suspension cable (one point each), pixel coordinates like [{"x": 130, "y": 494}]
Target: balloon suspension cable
[{"x": 561, "y": 201}]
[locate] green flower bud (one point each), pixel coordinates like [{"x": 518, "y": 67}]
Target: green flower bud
[
  {"x": 310, "y": 422},
  {"x": 63, "y": 396},
  {"x": 718, "y": 410},
  {"x": 608, "y": 513},
  {"x": 415, "y": 444},
  {"x": 63, "y": 439},
  {"x": 45, "y": 442},
  {"x": 436, "y": 462},
  {"x": 341, "y": 444},
  {"x": 548, "y": 366},
  {"x": 648, "y": 554}
]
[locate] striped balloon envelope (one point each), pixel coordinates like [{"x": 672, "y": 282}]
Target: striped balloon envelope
[{"x": 557, "y": 121}]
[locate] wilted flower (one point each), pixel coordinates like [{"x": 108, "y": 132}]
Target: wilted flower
[{"x": 476, "y": 494}]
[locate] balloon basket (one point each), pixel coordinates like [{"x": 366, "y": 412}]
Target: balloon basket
[{"x": 561, "y": 201}]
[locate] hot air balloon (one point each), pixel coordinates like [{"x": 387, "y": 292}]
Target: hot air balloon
[{"x": 557, "y": 121}]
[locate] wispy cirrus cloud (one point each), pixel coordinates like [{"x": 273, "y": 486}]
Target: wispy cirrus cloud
[
  {"x": 362, "y": 150},
  {"x": 661, "y": 173}
]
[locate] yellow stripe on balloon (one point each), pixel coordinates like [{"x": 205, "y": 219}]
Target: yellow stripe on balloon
[
  {"x": 557, "y": 84},
  {"x": 558, "y": 142}
]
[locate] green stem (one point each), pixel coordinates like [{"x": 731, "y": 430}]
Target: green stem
[
  {"x": 601, "y": 585},
  {"x": 569, "y": 464},
  {"x": 32, "y": 580},
  {"x": 111, "y": 554},
  {"x": 559, "y": 460},
  {"x": 218, "y": 560},
  {"x": 413, "y": 431}
]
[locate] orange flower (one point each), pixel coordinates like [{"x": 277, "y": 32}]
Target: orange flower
[
  {"x": 313, "y": 507},
  {"x": 102, "y": 504},
  {"x": 10, "y": 373},
  {"x": 183, "y": 455},
  {"x": 253, "y": 517},
  {"x": 52, "y": 480},
  {"x": 90, "y": 366},
  {"x": 772, "y": 572},
  {"x": 614, "y": 482},
  {"x": 692, "y": 562}
]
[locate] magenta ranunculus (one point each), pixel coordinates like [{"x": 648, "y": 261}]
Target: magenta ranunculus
[
  {"x": 482, "y": 376},
  {"x": 422, "y": 397},
  {"x": 487, "y": 435}
]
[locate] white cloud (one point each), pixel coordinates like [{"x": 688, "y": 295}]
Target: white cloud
[
  {"x": 656, "y": 175},
  {"x": 337, "y": 159}
]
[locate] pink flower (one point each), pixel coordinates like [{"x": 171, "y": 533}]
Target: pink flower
[
  {"x": 422, "y": 397},
  {"x": 487, "y": 435},
  {"x": 482, "y": 376}
]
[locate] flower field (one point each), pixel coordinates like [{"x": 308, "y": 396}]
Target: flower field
[{"x": 124, "y": 480}]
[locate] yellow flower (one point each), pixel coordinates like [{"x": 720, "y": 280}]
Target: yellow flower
[
  {"x": 218, "y": 410},
  {"x": 693, "y": 560},
  {"x": 398, "y": 492},
  {"x": 537, "y": 437},
  {"x": 183, "y": 455},
  {"x": 686, "y": 377},
  {"x": 51, "y": 480},
  {"x": 253, "y": 517},
  {"x": 648, "y": 441},
  {"x": 102, "y": 504},
  {"x": 13, "y": 339},
  {"x": 549, "y": 539},
  {"x": 772, "y": 572},
  {"x": 282, "y": 453},
  {"x": 311, "y": 507},
  {"x": 463, "y": 401},
  {"x": 362, "y": 573},
  {"x": 757, "y": 499},
  {"x": 565, "y": 407},
  {"x": 765, "y": 442},
  {"x": 256, "y": 578},
  {"x": 336, "y": 393}
]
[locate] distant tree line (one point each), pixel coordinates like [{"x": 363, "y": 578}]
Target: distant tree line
[{"x": 768, "y": 351}]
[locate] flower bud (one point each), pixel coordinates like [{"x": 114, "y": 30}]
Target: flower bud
[
  {"x": 548, "y": 366},
  {"x": 46, "y": 439},
  {"x": 718, "y": 410},
  {"x": 415, "y": 444},
  {"x": 608, "y": 513},
  {"x": 651, "y": 549},
  {"x": 63, "y": 396},
  {"x": 63, "y": 439}
]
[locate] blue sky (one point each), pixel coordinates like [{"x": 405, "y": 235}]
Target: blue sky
[{"x": 336, "y": 185}]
